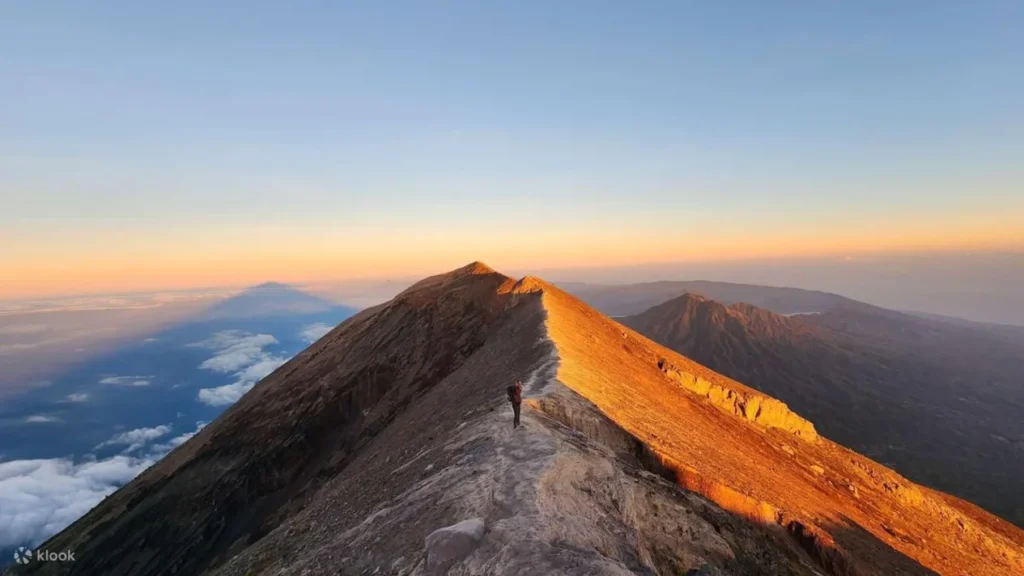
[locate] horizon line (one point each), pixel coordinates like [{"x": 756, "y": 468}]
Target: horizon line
[{"x": 837, "y": 258}]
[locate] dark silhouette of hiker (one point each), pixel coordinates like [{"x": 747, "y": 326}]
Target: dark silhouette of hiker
[{"x": 515, "y": 396}]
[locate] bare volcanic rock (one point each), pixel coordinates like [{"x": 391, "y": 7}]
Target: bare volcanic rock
[
  {"x": 940, "y": 403},
  {"x": 756, "y": 408},
  {"x": 448, "y": 545},
  {"x": 366, "y": 453}
]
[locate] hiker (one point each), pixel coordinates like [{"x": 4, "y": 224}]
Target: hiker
[{"x": 515, "y": 396}]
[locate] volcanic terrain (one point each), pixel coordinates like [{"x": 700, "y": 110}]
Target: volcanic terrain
[
  {"x": 940, "y": 403},
  {"x": 387, "y": 448}
]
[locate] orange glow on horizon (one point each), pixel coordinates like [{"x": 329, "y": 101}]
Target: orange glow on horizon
[{"x": 119, "y": 262}]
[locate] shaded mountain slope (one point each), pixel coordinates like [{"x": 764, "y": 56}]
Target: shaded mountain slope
[
  {"x": 394, "y": 425},
  {"x": 902, "y": 390}
]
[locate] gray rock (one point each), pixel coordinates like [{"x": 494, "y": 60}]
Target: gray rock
[{"x": 448, "y": 545}]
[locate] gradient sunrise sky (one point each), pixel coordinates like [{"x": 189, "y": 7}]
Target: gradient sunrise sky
[{"x": 150, "y": 145}]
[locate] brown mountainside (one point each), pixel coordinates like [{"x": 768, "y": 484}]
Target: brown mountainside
[
  {"x": 874, "y": 380},
  {"x": 632, "y": 460}
]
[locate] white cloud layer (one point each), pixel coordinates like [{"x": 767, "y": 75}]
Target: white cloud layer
[
  {"x": 243, "y": 355},
  {"x": 137, "y": 438},
  {"x": 314, "y": 332},
  {"x": 176, "y": 441},
  {"x": 136, "y": 381},
  {"x": 41, "y": 419},
  {"x": 38, "y": 498},
  {"x": 235, "y": 350},
  {"x": 77, "y": 398}
]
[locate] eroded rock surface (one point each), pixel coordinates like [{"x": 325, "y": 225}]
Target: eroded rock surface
[{"x": 756, "y": 408}]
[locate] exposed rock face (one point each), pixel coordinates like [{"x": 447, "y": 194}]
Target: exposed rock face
[
  {"x": 362, "y": 455},
  {"x": 937, "y": 402},
  {"x": 757, "y": 408}
]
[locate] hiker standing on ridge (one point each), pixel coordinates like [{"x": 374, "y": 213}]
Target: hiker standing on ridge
[{"x": 515, "y": 396}]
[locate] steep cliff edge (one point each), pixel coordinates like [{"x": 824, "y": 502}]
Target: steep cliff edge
[{"x": 816, "y": 489}]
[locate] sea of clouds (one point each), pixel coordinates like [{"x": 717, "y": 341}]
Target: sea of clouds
[
  {"x": 243, "y": 355},
  {"x": 38, "y": 498}
]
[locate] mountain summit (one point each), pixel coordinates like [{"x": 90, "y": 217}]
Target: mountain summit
[{"x": 387, "y": 448}]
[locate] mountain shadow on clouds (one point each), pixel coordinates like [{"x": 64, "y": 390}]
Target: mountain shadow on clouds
[
  {"x": 269, "y": 299},
  {"x": 100, "y": 421}
]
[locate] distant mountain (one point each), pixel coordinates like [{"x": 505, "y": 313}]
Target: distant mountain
[
  {"x": 940, "y": 402},
  {"x": 387, "y": 447},
  {"x": 269, "y": 299},
  {"x": 627, "y": 299},
  {"x": 1005, "y": 330}
]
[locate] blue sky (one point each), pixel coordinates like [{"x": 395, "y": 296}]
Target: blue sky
[{"x": 830, "y": 118}]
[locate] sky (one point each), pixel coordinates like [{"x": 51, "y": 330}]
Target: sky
[{"x": 196, "y": 144}]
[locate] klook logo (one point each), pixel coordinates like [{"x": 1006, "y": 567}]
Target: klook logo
[{"x": 24, "y": 556}]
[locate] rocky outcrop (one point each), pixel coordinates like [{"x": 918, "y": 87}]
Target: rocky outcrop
[
  {"x": 448, "y": 545},
  {"x": 755, "y": 408}
]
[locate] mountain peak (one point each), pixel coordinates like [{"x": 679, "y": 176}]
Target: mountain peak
[
  {"x": 687, "y": 299},
  {"x": 368, "y": 444},
  {"x": 693, "y": 296},
  {"x": 474, "y": 280},
  {"x": 475, "y": 267},
  {"x": 528, "y": 284}
]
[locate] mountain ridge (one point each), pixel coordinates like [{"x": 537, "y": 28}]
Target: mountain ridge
[
  {"x": 855, "y": 469},
  {"x": 348, "y": 456},
  {"x": 630, "y": 299}
]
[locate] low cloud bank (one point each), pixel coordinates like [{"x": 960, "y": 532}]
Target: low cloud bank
[
  {"x": 39, "y": 498},
  {"x": 173, "y": 443},
  {"x": 41, "y": 419},
  {"x": 314, "y": 332},
  {"x": 132, "y": 381},
  {"x": 135, "y": 439},
  {"x": 241, "y": 354}
]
